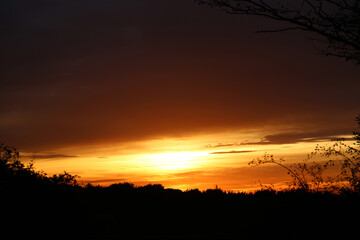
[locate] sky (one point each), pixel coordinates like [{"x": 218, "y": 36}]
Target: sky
[{"x": 164, "y": 92}]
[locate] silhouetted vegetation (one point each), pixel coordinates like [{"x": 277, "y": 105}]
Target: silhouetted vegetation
[
  {"x": 13, "y": 173},
  {"x": 36, "y": 204},
  {"x": 310, "y": 174},
  {"x": 336, "y": 22}
]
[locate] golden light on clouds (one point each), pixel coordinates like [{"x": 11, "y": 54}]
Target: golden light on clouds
[
  {"x": 172, "y": 98},
  {"x": 199, "y": 161}
]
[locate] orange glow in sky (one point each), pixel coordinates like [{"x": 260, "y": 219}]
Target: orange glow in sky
[
  {"x": 199, "y": 161},
  {"x": 167, "y": 92}
]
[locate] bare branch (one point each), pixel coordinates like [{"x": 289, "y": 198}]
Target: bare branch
[
  {"x": 280, "y": 30},
  {"x": 337, "y": 21}
]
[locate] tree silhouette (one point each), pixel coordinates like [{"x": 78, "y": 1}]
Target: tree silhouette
[
  {"x": 57, "y": 206},
  {"x": 308, "y": 175},
  {"x": 348, "y": 156},
  {"x": 335, "y": 21},
  {"x": 15, "y": 173}
]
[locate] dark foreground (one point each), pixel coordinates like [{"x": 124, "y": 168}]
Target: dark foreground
[{"x": 123, "y": 211}]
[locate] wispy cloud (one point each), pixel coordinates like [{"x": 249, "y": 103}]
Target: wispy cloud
[
  {"x": 223, "y": 145},
  {"x": 233, "y": 151},
  {"x": 106, "y": 181},
  {"x": 49, "y": 156},
  {"x": 287, "y": 138}
]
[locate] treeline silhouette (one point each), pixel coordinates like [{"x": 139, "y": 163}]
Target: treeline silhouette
[{"x": 35, "y": 204}]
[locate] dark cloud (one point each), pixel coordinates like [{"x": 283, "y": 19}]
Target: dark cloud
[
  {"x": 49, "y": 156},
  {"x": 222, "y": 145},
  {"x": 289, "y": 138},
  {"x": 233, "y": 151},
  {"x": 91, "y": 71},
  {"x": 107, "y": 181}
]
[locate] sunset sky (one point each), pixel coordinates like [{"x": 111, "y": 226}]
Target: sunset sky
[{"x": 165, "y": 92}]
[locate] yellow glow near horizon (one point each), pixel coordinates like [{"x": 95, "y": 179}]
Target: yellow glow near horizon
[
  {"x": 173, "y": 160},
  {"x": 200, "y": 161}
]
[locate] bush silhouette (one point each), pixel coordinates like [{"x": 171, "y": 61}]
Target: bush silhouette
[
  {"x": 309, "y": 174},
  {"x": 59, "y": 206},
  {"x": 15, "y": 174}
]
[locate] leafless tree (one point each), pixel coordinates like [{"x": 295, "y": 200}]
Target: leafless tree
[
  {"x": 336, "y": 22},
  {"x": 309, "y": 174},
  {"x": 306, "y": 175}
]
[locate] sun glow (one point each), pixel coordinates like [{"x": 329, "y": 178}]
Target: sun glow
[
  {"x": 200, "y": 161},
  {"x": 174, "y": 160}
]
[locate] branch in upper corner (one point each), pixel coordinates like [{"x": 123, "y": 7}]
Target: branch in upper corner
[
  {"x": 281, "y": 30},
  {"x": 337, "y": 22}
]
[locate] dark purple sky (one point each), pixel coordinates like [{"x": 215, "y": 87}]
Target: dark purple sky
[{"x": 75, "y": 72}]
